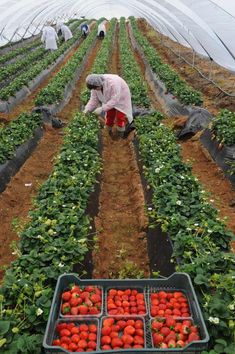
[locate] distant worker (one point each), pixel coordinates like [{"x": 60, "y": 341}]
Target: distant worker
[
  {"x": 110, "y": 94},
  {"x": 49, "y": 37},
  {"x": 85, "y": 29},
  {"x": 66, "y": 32},
  {"x": 58, "y": 27},
  {"x": 101, "y": 30}
]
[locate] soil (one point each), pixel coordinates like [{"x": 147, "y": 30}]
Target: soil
[
  {"x": 222, "y": 195},
  {"x": 16, "y": 200},
  {"x": 121, "y": 249}
]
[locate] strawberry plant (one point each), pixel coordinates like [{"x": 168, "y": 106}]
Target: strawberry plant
[
  {"x": 171, "y": 79},
  {"x": 16, "y": 133},
  {"x": 19, "y": 51},
  {"x": 223, "y": 127},
  {"x": 19, "y": 65},
  {"x": 130, "y": 70}
]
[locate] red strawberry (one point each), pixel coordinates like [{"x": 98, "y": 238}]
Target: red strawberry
[
  {"x": 83, "y": 310},
  {"x": 193, "y": 336},
  {"x": 157, "y": 338},
  {"x": 66, "y": 296},
  {"x": 156, "y": 325},
  {"x": 180, "y": 344},
  {"x": 116, "y": 342},
  {"x": 74, "y": 311},
  {"x": 105, "y": 340}
]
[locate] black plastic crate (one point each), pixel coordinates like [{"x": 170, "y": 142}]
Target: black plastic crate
[{"x": 177, "y": 281}]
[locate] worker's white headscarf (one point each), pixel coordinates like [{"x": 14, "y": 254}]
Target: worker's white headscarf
[{"x": 95, "y": 79}]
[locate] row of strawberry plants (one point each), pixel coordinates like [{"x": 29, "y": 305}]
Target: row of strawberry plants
[
  {"x": 16, "y": 133},
  {"x": 19, "y": 51},
  {"x": 35, "y": 70},
  {"x": 223, "y": 127},
  {"x": 174, "y": 84},
  {"x": 53, "y": 241},
  {"x": 102, "y": 58},
  {"x": 200, "y": 238},
  {"x": 130, "y": 70},
  {"x": 17, "y": 67},
  {"x": 54, "y": 91}
]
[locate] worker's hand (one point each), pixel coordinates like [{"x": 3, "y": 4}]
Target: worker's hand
[
  {"x": 85, "y": 111},
  {"x": 98, "y": 111}
]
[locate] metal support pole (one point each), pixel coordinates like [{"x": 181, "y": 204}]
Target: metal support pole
[
  {"x": 193, "y": 58},
  {"x": 210, "y": 69}
]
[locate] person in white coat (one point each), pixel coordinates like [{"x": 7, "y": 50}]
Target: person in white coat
[
  {"x": 101, "y": 30},
  {"x": 110, "y": 94},
  {"x": 66, "y": 32},
  {"x": 49, "y": 37},
  {"x": 58, "y": 26}
]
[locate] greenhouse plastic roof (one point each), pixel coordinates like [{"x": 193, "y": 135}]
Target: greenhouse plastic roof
[{"x": 206, "y": 26}]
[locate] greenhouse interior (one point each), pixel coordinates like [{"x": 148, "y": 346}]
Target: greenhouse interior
[{"x": 117, "y": 176}]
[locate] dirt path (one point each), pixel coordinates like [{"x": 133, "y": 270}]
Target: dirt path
[
  {"x": 16, "y": 200},
  {"x": 121, "y": 249},
  {"x": 222, "y": 195}
]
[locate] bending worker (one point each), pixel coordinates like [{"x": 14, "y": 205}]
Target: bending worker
[
  {"x": 110, "y": 94},
  {"x": 66, "y": 32},
  {"x": 101, "y": 30},
  {"x": 49, "y": 36},
  {"x": 85, "y": 29}
]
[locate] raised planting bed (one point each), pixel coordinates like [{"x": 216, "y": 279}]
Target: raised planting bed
[
  {"x": 55, "y": 239},
  {"x": 201, "y": 241},
  {"x": 18, "y": 140},
  {"x": 219, "y": 140},
  {"x": 130, "y": 69},
  {"x": 13, "y": 54},
  {"x": 126, "y": 330},
  {"x": 222, "y": 154},
  {"x": 175, "y": 95}
]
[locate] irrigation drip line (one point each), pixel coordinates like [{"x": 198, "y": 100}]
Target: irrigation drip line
[{"x": 200, "y": 73}]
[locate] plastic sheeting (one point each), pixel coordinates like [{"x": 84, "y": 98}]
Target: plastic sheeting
[{"x": 206, "y": 26}]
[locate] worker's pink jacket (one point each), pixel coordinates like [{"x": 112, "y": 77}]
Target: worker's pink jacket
[{"x": 116, "y": 94}]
